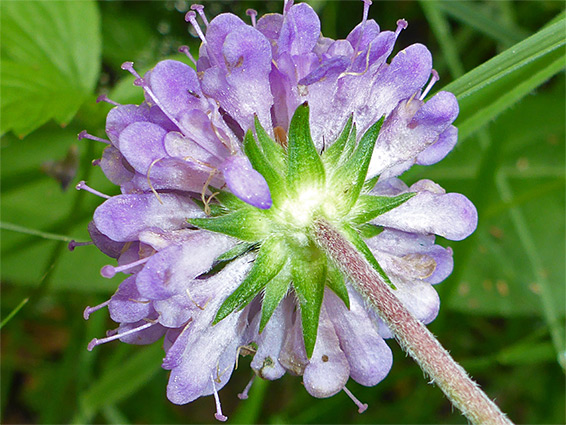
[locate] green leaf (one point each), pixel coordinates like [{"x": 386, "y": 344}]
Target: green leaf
[
  {"x": 492, "y": 87},
  {"x": 227, "y": 199},
  {"x": 33, "y": 232},
  {"x": 275, "y": 291},
  {"x": 119, "y": 383},
  {"x": 338, "y": 150},
  {"x": 441, "y": 28},
  {"x": 348, "y": 180},
  {"x": 15, "y": 311},
  {"x": 269, "y": 261},
  {"x": 368, "y": 231},
  {"x": 473, "y": 15},
  {"x": 263, "y": 166},
  {"x": 273, "y": 151},
  {"x": 309, "y": 278},
  {"x": 50, "y": 61},
  {"x": 368, "y": 206},
  {"x": 244, "y": 224},
  {"x": 354, "y": 237},
  {"x": 305, "y": 165},
  {"x": 236, "y": 251},
  {"x": 335, "y": 281},
  {"x": 369, "y": 184}
]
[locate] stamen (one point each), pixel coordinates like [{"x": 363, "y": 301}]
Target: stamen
[
  {"x": 244, "y": 394},
  {"x": 104, "y": 98},
  {"x": 280, "y": 136},
  {"x": 194, "y": 302},
  {"x": 96, "y": 162},
  {"x": 200, "y": 10},
  {"x": 203, "y": 193},
  {"x": 83, "y": 186},
  {"x": 109, "y": 271},
  {"x": 129, "y": 66},
  {"x": 287, "y": 4},
  {"x": 199, "y": 162},
  {"x": 97, "y": 341},
  {"x": 345, "y": 73},
  {"x": 367, "y": 4},
  {"x": 362, "y": 407},
  {"x": 89, "y": 310},
  {"x": 155, "y": 161},
  {"x": 218, "y": 415},
  {"x": 187, "y": 52},
  {"x": 191, "y": 17},
  {"x": 247, "y": 350},
  {"x": 84, "y": 135},
  {"x": 401, "y": 25},
  {"x": 219, "y": 374},
  {"x": 433, "y": 79},
  {"x": 73, "y": 244},
  {"x": 252, "y": 13},
  {"x": 227, "y": 144}
]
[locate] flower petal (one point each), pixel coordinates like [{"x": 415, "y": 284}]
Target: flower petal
[
  {"x": 369, "y": 356},
  {"x": 123, "y": 217},
  {"x": 442, "y": 147},
  {"x": 141, "y": 143},
  {"x": 300, "y": 30},
  {"x": 127, "y": 305},
  {"x": 450, "y": 215},
  {"x": 122, "y": 116},
  {"x": 328, "y": 370},
  {"x": 176, "y": 87},
  {"x": 245, "y": 182},
  {"x": 243, "y": 89},
  {"x": 270, "y": 342}
]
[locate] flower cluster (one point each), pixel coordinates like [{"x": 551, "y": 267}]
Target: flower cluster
[{"x": 223, "y": 170}]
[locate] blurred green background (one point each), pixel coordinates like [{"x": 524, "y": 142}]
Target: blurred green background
[{"x": 503, "y": 308}]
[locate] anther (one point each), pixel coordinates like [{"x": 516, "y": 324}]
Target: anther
[
  {"x": 84, "y": 135},
  {"x": 401, "y": 25},
  {"x": 200, "y": 10},
  {"x": 97, "y": 341},
  {"x": 218, "y": 415},
  {"x": 191, "y": 17},
  {"x": 89, "y": 310},
  {"x": 73, "y": 244},
  {"x": 96, "y": 162},
  {"x": 244, "y": 394},
  {"x": 129, "y": 66},
  {"x": 252, "y": 13},
  {"x": 83, "y": 186},
  {"x": 433, "y": 79},
  {"x": 362, "y": 407},
  {"x": 187, "y": 52},
  {"x": 104, "y": 98},
  {"x": 109, "y": 271}
]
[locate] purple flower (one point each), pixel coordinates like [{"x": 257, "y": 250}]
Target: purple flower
[{"x": 222, "y": 175}]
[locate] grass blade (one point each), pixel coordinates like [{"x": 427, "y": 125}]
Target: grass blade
[{"x": 515, "y": 72}]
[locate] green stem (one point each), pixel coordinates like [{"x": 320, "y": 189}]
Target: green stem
[{"x": 411, "y": 334}]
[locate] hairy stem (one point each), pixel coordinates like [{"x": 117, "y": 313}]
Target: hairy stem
[{"x": 411, "y": 334}]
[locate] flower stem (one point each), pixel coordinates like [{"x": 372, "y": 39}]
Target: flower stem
[{"x": 411, "y": 334}]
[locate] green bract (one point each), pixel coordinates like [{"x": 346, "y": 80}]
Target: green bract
[{"x": 304, "y": 186}]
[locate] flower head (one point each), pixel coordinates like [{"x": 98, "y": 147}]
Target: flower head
[{"x": 223, "y": 171}]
